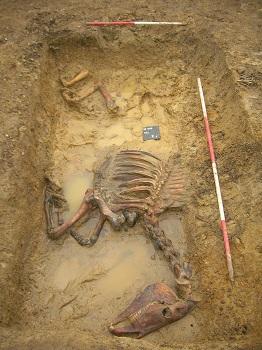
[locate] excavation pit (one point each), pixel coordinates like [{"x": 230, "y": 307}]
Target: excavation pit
[{"x": 152, "y": 75}]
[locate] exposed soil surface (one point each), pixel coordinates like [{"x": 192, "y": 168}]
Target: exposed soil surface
[{"x": 56, "y": 294}]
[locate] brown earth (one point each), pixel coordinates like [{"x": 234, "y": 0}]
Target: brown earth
[{"x": 58, "y": 295}]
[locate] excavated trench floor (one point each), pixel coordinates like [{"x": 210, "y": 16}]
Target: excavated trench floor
[{"x": 153, "y": 79}]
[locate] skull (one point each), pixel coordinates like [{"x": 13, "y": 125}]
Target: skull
[{"x": 156, "y": 307}]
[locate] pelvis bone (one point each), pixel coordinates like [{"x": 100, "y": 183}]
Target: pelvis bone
[{"x": 156, "y": 307}]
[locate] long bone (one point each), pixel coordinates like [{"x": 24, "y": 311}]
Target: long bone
[
  {"x": 86, "y": 206},
  {"x": 110, "y": 102},
  {"x": 115, "y": 220},
  {"x": 94, "y": 237},
  {"x": 89, "y": 202},
  {"x": 80, "y": 76},
  {"x": 111, "y": 106},
  {"x": 70, "y": 97}
]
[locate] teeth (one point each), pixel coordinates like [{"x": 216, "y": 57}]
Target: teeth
[{"x": 135, "y": 316}]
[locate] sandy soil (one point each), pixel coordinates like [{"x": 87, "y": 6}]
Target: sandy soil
[{"x": 59, "y": 295}]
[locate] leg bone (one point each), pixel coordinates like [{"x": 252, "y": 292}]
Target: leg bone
[
  {"x": 92, "y": 240},
  {"x": 49, "y": 205},
  {"x": 110, "y": 102},
  {"x": 115, "y": 220},
  {"x": 82, "y": 75},
  {"x": 86, "y": 206},
  {"x": 70, "y": 97}
]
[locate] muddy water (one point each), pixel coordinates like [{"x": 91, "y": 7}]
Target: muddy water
[
  {"x": 128, "y": 267},
  {"x": 74, "y": 190}
]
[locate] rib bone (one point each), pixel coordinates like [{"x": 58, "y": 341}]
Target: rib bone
[
  {"x": 120, "y": 166},
  {"x": 141, "y": 180},
  {"x": 138, "y": 189},
  {"x": 133, "y": 171}
]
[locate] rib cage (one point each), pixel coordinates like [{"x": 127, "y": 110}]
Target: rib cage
[
  {"x": 141, "y": 173},
  {"x": 138, "y": 179}
]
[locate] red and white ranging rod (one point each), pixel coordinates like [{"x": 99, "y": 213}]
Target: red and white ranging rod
[
  {"x": 132, "y": 23},
  {"x": 219, "y": 197}
]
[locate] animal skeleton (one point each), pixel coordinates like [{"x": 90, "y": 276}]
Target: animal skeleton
[{"x": 128, "y": 184}]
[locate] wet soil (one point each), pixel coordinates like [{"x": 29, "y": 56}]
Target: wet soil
[{"x": 57, "y": 294}]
